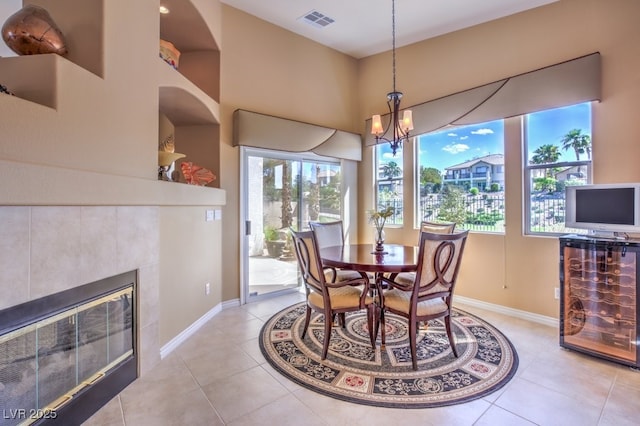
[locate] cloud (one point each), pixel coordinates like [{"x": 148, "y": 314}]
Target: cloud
[
  {"x": 391, "y": 157},
  {"x": 456, "y": 148},
  {"x": 464, "y": 137},
  {"x": 453, "y": 135},
  {"x": 482, "y": 132}
]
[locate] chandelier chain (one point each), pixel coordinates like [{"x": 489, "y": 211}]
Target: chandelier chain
[
  {"x": 399, "y": 127},
  {"x": 393, "y": 41}
]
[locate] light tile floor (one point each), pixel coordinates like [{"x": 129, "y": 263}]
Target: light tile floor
[{"x": 219, "y": 377}]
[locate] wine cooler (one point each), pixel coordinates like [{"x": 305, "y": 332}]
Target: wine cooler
[{"x": 598, "y": 314}]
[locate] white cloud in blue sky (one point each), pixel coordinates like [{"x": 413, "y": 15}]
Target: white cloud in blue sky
[
  {"x": 456, "y": 148},
  {"x": 390, "y": 157},
  {"x": 453, "y": 135},
  {"x": 464, "y": 137},
  {"x": 483, "y": 131}
]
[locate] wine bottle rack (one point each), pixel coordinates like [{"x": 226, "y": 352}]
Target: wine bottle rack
[{"x": 598, "y": 309}]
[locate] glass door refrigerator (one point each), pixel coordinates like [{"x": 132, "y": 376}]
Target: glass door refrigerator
[{"x": 598, "y": 314}]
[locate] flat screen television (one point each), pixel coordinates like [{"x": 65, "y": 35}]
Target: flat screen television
[{"x": 605, "y": 209}]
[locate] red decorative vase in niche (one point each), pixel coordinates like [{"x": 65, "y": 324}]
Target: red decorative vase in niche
[
  {"x": 31, "y": 31},
  {"x": 196, "y": 175}
]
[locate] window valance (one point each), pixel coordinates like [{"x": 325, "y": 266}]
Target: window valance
[
  {"x": 265, "y": 131},
  {"x": 566, "y": 83}
]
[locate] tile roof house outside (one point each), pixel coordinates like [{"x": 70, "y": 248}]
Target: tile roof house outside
[{"x": 479, "y": 173}]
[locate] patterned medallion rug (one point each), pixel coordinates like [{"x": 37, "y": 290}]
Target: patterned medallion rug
[{"x": 354, "y": 372}]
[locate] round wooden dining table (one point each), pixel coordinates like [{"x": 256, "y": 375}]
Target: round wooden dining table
[{"x": 363, "y": 257}]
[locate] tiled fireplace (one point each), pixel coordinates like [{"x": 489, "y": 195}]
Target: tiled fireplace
[
  {"x": 65, "y": 355},
  {"x": 48, "y": 250}
]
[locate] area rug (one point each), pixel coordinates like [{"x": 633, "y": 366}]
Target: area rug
[{"x": 383, "y": 377}]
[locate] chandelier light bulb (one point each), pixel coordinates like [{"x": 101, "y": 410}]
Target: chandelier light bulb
[
  {"x": 407, "y": 121},
  {"x": 376, "y": 125}
]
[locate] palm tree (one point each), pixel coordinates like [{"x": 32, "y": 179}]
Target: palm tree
[
  {"x": 391, "y": 170},
  {"x": 287, "y": 209},
  {"x": 578, "y": 142},
  {"x": 545, "y": 154}
]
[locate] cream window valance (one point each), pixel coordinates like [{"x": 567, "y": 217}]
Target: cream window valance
[
  {"x": 563, "y": 84},
  {"x": 265, "y": 131}
]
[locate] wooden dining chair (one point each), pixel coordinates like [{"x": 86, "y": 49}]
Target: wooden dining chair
[
  {"x": 407, "y": 278},
  {"x": 332, "y": 234},
  {"x": 431, "y": 294},
  {"x": 328, "y": 233},
  {"x": 437, "y": 227},
  {"x": 330, "y": 298}
]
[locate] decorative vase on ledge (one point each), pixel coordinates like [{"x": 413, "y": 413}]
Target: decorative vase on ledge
[
  {"x": 169, "y": 53},
  {"x": 32, "y": 31}
]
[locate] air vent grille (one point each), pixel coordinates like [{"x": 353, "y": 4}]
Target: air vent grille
[{"x": 317, "y": 19}]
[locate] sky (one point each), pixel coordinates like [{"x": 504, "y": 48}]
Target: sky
[{"x": 457, "y": 145}]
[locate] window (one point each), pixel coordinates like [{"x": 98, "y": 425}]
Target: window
[
  {"x": 461, "y": 177},
  {"x": 389, "y": 182},
  {"x": 558, "y": 153}
]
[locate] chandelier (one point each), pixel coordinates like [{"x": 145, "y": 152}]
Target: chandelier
[{"x": 399, "y": 127}]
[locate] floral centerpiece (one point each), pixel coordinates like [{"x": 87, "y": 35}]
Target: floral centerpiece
[{"x": 378, "y": 218}]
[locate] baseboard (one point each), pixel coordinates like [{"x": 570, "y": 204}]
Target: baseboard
[
  {"x": 189, "y": 331},
  {"x": 540, "y": 319},
  {"x": 233, "y": 303}
]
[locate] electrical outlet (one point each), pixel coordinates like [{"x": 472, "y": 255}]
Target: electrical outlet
[
  {"x": 557, "y": 292},
  {"x": 207, "y": 289}
]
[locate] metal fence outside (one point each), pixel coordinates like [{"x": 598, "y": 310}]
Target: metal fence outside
[
  {"x": 485, "y": 212},
  {"x": 482, "y": 212}
]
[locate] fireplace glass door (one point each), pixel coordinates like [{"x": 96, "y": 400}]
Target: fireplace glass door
[{"x": 44, "y": 364}]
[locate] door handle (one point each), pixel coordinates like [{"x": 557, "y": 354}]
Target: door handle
[{"x": 247, "y": 227}]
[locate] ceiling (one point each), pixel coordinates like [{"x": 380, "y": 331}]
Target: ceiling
[{"x": 363, "y": 27}]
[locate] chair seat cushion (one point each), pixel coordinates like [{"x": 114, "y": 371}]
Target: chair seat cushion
[
  {"x": 405, "y": 278},
  {"x": 400, "y": 301},
  {"x": 341, "y": 297},
  {"x": 342, "y": 275}
]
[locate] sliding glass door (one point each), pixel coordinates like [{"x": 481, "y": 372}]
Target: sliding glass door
[{"x": 282, "y": 191}]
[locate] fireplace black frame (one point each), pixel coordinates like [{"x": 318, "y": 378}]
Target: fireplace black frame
[{"x": 90, "y": 399}]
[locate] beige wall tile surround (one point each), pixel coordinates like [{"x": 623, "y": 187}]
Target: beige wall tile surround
[
  {"x": 98, "y": 256},
  {"x": 50, "y": 249},
  {"x": 149, "y": 295},
  {"x": 138, "y": 237},
  {"x": 149, "y": 348},
  {"x": 14, "y": 261},
  {"x": 55, "y": 250}
]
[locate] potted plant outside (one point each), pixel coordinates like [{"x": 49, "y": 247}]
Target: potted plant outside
[{"x": 273, "y": 241}]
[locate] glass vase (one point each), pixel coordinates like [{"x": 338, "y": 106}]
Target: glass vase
[{"x": 379, "y": 236}]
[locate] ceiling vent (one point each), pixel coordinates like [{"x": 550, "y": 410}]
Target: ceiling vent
[{"x": 316, "y": 19}]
